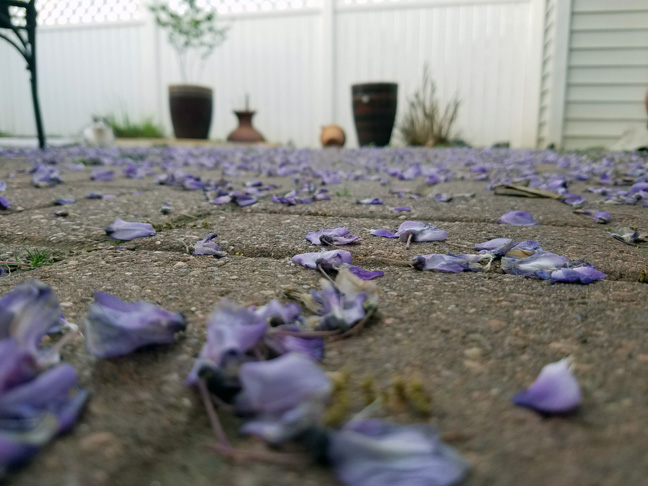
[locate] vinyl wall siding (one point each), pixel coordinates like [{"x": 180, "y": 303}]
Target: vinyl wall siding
[
  {"x": 607, "y": 75},
  {"x": 548, "y": 72}
]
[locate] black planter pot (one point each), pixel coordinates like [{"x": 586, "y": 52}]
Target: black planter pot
[
  {"x": 191, "y": 110},
  {"x": 374, "y": 112}
]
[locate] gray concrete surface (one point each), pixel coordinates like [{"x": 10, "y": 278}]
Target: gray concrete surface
[{"x": 475, "y": 339}]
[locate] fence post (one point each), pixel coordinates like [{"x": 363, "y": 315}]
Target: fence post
[{"x": 328, "y": 63}]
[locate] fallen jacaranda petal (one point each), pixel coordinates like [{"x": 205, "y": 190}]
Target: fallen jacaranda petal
[
  {"x": 3, "y": 186},
  {"x": 94, "y": 195},
  {"x": 277, "y": 314},
  {"x": 33, "y": 413},
  {"x": 517, "y": 218},
  {"x": 402, "y": 209},
  {"x": 573, "y": 199},
  {"x": 232, "y": 331},
  {"x": 601, "y": 217},
  {"x": 365, "y": 274},
  {"x": 102, "y": 175},
  {"x": 292, "y": 343},
  {"x": 420, "y": 231},
  {"x": 639, "y": 187},
  {"x": 339, "y": 310},
  {"x": 244, "y": 200},
  {"x": 584, "y": 275},
  {"x": 494, "y": 244},
  {"x": 279, "y": 385},
  {"x": 125, "y": 231},
  {"x": 440, "y": 263},
  {"x": 332, "y": 258},
  {"x": 555, "y": 391},
  {"x": 527, "y": 245},
  {"x": 496, "y": 247},
  {"x": 539, "y": 265},
  {"x": 334, "y": 236},
  {"x": 219, "y": 201},
  {"x": 384, "y": 233},
  {"x": 17, "y": 365},
  {"x": 62, "y": 201},
  {"x": 116, "y": 328},
  {"x": 4, "y": 202},
  {"x": 377, "y": 453},
  {"x": 207, "y": 246},
  {"x": 27, "y": 313},
  {"x": 441, "y": 197},
  {"x": 629, "y": 236},
  {"x": 45, "y": 175},
  {"x": 370, "y": 201}
]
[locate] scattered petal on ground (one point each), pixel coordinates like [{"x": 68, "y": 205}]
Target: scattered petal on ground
[
  {"x": 555, "y": 391},
  {"x": 125, "y": 231},
  {"x": 517, "y": 218}
]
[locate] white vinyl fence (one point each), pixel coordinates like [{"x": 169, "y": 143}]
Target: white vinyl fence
[{"x": 297, "y": 60}]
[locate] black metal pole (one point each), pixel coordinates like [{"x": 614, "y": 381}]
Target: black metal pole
[
  {"x": 28, "y": 51},
  {"x": 31, "y": 36}
]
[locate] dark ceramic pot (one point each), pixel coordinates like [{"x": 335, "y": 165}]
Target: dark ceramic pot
[
  {"x": 374, "y": 112},
  {"x": 245, "y": 132},
  {"x": 191, "y": 110}
]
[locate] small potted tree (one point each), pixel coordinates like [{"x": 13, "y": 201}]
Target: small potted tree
[{"x": 194, "y": 33}]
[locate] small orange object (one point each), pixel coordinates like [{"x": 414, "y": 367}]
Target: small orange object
[{"x": 332, "y": 136}]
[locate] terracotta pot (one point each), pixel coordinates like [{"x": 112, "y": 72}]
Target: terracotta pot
[
  {"x": 245, "y": 132},
  {"x": 374, "y": 112},
  {"x": 332, "y": 136},
  {"x": 191, "y": 110}
]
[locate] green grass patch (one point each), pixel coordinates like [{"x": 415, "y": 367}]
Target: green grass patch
[{"x": 124, "y": 127}]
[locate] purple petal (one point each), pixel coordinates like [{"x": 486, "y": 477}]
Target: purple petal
[
  {"x": 370, "y": 201},
  {"x": 601, "y": 217},
  {"x": 639, "y": 187},
  {"x": 517, "y": 218},
  {"x": 401, "y": 209},
  {"x": 443, "y": 197},
  {"x": 232, "y": 331},
  {"x": 278, "y": 314},
  {"x": 125, "y": 231},
  {"x": 208, "y": 247},
  {"x": 283, "y": 344},
  {"x": 384, "y": 233},
  {"x": 420, "y": 232},
  {"x": 35, "y": 412},
  {"x": 94, "y": 195},
  {"x": 339, "y": 310},
  {"x": 102, "y": 175},
  {"x": 281, "y": 384},
  {"x": 365, "y": 274},
  {"x": 538, "y": 265},
  {"x": 584, "y": 275},
  {"x": 332, "y": 257},
  {"x": 27, "y": 313},
  {"x": 493, "y": 244},
  {"x": 221, "y": 200},
  {"x": 440, "y": 263},
  {"x": 62, "y": 201},
  {"x": 17, "y": 365},
  {"x": 555, "y": 391},
  {"x": 335, "y": 236},
  {"x": 527, "y": 245},
  {"x": 4, "y": 202},
  {"x": 377, "y": 453},
  {"x": 3, "y": 186},
  {"x": 245, "y": 200},
  {"x": 116, "y": 328}
]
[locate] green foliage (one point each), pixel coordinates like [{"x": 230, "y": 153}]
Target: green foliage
[
  {"x": 190, "y": 28},
  {"x": 125, "y": 128},
  {"x": 425, "y": 122},
  {"x": 38, "y": 258},
  {"x": 344, "y": 193}
]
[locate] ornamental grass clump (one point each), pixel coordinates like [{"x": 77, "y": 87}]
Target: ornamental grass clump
[{"x": 426, "y": 123}]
